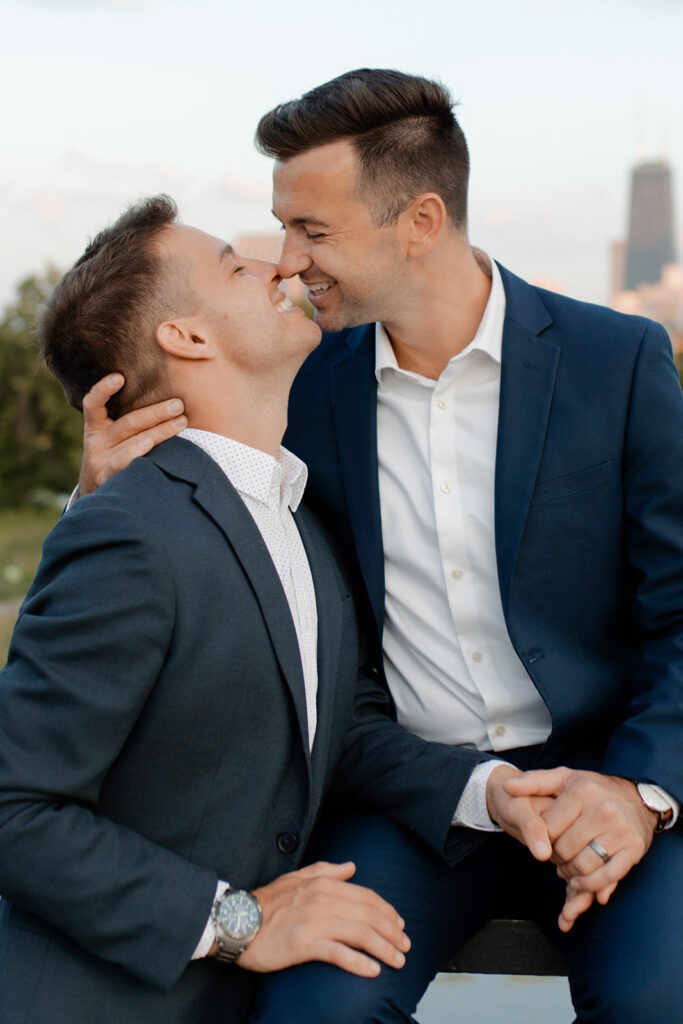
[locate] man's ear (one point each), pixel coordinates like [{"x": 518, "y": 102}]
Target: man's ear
[
  {"x": 422, "y": 223},
  {"x": 185, "y": 339}
]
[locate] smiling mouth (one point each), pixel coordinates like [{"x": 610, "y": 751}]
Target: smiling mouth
[
  {"x": 284, "y": 304},
  {"x": 318, "y": 291}
]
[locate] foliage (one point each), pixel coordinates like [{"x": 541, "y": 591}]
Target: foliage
[
  {"x": 40, "y": 435},
  {"x": 22, "y": 532},
  {"x": 679, "y": 363}
]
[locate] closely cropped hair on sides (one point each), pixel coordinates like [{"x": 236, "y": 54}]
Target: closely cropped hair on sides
[
  {"x": 102, "y": 316},
  {"x": 402, "y": 128}
]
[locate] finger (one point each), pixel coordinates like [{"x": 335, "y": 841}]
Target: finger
[
  {"x": 616, "y": 868},
  {"x": 123, "y": 454},
  {"x": 140, "y": 420},
  {"x": 383, "y": 920},
  {"x": 572, "y": 909},
  {"x": 329, "y": 881},
  {"x": 348, "y": 959},
  {"x": 604, "y": 894},
  {"x": 577, "y": 855},
  {"x": 95, "y": 401},
  {"x": 286, "y": 889},
  {"x": 538, "y": 782},
  {"x": 345, "y": 899},
  {"x": 563, "y": 873},
  {"x": 366, "y": 939},
  {"x": 560, "y": 816},
  {"x": 534, "y": 833},
  {"x": 325, "y": 869}
]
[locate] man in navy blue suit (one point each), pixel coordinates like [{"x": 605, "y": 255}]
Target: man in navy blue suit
[{"x": 503, "y": 469}]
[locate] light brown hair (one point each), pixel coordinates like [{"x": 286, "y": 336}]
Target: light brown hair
[{"x": 103, "y": 314}]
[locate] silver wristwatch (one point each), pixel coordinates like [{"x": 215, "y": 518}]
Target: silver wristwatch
[
  {"x": 236, "y": 916},
  {"x": 656, "y": 800}
]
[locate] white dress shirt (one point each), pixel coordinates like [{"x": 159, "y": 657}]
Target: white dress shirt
[
  {"x": 272, "y": 490},
  {"x": 449, "y": 661}
]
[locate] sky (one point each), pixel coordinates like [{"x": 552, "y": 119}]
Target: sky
[{"x": 103, "y": 101}]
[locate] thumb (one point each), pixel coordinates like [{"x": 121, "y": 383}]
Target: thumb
[
  {"x": 540, "y": 782},
  {"x": 95, "y": 412}
]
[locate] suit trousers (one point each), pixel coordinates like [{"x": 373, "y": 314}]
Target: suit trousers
[{"x": 624, "y": 958}]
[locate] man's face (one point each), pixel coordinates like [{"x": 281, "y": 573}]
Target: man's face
[
  {"x": 238, "y": 301},
  {"x": 352, "y": 268}
]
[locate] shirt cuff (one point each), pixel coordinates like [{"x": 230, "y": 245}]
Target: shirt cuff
[
  {"x": 471, "y": 810},
  {"x": 209, "y": 934},
  {"x": 75, "y": 495},
  {"x": 673, "y": 803}
]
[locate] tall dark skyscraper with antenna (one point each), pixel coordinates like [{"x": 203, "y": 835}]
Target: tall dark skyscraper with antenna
[{"x": 651, "y": 224}]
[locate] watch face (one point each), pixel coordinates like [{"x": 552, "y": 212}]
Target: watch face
[
  {"x": 652, "y": 798},
  {"x": 239, "y": 915}
]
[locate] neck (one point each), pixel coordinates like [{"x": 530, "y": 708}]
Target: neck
[
  {"x": 445, "y": 309},
  {"x": 248, "y": 411}
]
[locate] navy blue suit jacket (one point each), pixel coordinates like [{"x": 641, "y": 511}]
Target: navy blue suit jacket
[
  {"x": 588, "y": 516},
  {"x": 153, "y": 738}
]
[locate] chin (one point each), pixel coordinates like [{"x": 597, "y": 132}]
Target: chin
[{"x": 331, "y": 322}]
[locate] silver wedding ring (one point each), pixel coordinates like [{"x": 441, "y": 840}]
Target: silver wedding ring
[{"x": 600, "y": 850}]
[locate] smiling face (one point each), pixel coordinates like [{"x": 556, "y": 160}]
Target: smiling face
[
  {"x": 238, "y": 302},
  {"x": 355, "y": 271}
]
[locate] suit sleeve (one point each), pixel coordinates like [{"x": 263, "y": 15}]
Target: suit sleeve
[
  {"x": 385, "y": 767},
  {"x": 647, "y": 744},
  {"x": 89, "y": 644}
]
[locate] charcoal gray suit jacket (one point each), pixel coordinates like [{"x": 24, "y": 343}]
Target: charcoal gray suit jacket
[{"x": 153, "y": 739}]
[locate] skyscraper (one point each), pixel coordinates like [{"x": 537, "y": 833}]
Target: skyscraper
[{"x": 651, "y": 224}]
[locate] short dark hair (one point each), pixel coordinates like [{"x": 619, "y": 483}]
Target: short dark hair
[
  {"x": 402, "y": 128},
  {"x": 102, "y": 316}
]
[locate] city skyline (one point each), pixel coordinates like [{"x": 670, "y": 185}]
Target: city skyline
[{"x": 113, "y": 99}]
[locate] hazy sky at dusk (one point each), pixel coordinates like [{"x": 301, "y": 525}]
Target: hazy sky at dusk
[{"x": 107, "y": 100}]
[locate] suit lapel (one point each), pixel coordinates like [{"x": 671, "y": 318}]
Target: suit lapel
[
  {"x": 354, "y": 406},
  {"x": 329, "y": 642},
  {"x": 529, "y": 365},
  {"x": 218, "y": 498}
]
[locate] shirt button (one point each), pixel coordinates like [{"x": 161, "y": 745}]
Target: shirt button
[
  {"x": 457, "y": 574},
  {"x": 500, "y": 730},
  {"x": 442, "y": 403},
  {"x": 446, "y": 488},
  {"x": 477, "y": 656},
  {"x": 287, "y": 842}
]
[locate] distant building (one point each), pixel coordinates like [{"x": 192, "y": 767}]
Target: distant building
[
  {"x": 650, "y": 243},
  {"x": 662, "y": 301},
  {"x": 645, "y": 277}
]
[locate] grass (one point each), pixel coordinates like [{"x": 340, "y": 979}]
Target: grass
[{"x": 22, "y": 532}]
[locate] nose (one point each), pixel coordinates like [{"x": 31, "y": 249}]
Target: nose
[
  {"x": 294, "y": 258},
  {"x": 265, "y": 271}
]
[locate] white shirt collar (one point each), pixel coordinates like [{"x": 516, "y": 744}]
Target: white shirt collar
[
  {"x": 489, "y": 336},
  {"x": 253, "y": 472}
]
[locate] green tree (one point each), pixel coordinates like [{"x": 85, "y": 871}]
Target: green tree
[{"x": 40, "y": 435}]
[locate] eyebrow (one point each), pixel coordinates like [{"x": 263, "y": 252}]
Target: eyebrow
[
  {"x": 227, "y": 250},
  {"x": 304, "y": 220}
]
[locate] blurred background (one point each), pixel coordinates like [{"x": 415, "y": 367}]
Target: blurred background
[{"x": 573, "y": 114}]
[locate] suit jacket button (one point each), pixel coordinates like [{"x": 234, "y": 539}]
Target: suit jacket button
[{"x": 287, "y": 842}]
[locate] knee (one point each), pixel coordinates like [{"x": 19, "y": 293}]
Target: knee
[
  {"x": 326, "y": 995},
  {"x": 643, "y": 995}
]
